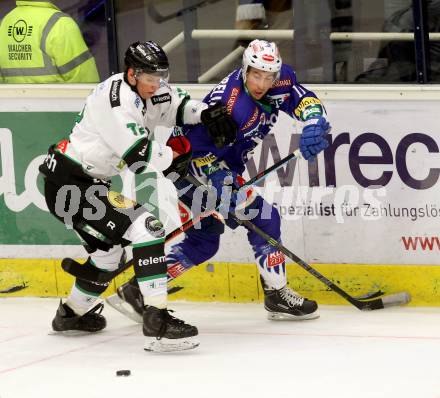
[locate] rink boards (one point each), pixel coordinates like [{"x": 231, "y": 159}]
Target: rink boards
[
  {"x": 238, "y": 282},
  {"x": 363, "y": 238}
]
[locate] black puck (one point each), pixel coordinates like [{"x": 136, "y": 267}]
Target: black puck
[{"x": 123, "y": 373}]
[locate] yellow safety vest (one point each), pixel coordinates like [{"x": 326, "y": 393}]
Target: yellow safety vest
[{"x": 40, "y": 44}]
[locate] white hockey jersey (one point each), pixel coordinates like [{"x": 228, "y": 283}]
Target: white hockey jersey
[{"x": 116, "y": 127}]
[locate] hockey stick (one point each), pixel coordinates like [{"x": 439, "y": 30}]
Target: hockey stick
[
  {"x": 253, "y": 181},
  {"x": 360, "y": 303},
  {"x": 94, "y": 275}
]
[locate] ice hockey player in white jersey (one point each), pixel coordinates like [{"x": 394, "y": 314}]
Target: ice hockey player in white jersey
[{"x": 114, "y": 131}]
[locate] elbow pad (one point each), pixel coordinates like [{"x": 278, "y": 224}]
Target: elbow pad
[
  {"x": 161, "y": 156},
  {"x": 151, "y": 154},
  {"x": 192, "y": 111}
]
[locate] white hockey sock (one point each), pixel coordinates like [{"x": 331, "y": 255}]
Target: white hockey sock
[
  {"x": 154, "y": 291},
  {"x": 81, "y": 301},
  {"x": 107, "y": 260},
  {"x": 272, "y": 268}
]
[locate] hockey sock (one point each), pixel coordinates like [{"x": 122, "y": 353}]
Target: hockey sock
[
  {"x": 107, "y": 260},
  {"x": 271, "y": 265},
  {"x": 151, "y": 271},
  {"x": 177, "y": 263},
  {"x": 84, "y": 293}
]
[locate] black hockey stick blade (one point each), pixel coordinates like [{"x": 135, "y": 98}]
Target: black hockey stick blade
[
  {"x": 369, "y": 296},
  {"x": 391, "y": 300},
  {"x": 90, "y": 275},
  {"x": 174, "y": 289}
]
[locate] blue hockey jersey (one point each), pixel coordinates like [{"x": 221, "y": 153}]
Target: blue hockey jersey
[{"x": 254, "y": 118}]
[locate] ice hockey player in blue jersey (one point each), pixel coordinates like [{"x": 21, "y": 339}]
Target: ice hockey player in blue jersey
[{"x": 253, "y": 96}]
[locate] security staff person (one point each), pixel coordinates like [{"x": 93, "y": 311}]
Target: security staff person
[{"x": 41, "y": 44}]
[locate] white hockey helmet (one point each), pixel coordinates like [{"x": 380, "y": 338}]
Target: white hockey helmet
[{"x": 262, "y": 55}]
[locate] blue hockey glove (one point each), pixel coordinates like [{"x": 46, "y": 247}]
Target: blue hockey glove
[
  {"x": 221, "y": 178},
  {"x": 313, "y": 139}
]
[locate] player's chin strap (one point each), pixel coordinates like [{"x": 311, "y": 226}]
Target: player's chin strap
[
  {"x": 366, "y": 302},
  {"x": 80, "y": 271}
]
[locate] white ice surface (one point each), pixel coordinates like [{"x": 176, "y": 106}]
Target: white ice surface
[{"x": 345, "y": 353}]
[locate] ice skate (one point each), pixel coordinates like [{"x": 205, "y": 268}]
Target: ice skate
[
  {"x": 285, "y": 304},
  {"x": 67, "y": 320},
  {"x": 128, "y": 300},
  {"x": 165, "y": 333}
]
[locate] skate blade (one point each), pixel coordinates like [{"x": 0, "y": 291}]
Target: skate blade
[
  {"x": 170, "y": 345},
  {"x": 71, "y": 333},
  {"x": 124, "y": 308},
  {"x": 281, "y": 316}
]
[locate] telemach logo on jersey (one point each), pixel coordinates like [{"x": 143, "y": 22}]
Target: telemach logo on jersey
[
  {"x": 144, "y": 149},
  {"x": 151, "y": 260}
]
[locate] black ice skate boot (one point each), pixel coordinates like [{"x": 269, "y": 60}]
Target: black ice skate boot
[
  {"x": 128, "y": 300},
  {"x": 66, "y": 320},
  {"x": 285, "y": 304},
  {"x": 164, "y": 332}
]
